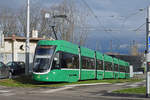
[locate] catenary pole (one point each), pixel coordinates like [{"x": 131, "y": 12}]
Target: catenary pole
[
  {"x": 148, "y": 52},
  {"x": 27, "y": 39}
]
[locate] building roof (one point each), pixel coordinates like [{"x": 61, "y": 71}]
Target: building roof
[{"x": 22, "y": 38}]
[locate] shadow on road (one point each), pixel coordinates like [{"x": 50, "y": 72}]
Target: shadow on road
[{"x": 125, "y": 95}]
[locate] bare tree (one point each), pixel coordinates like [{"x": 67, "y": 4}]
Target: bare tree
[
  {"x": 68, "y": 28},
  {"x": 8, "y": 22},
  {"x": 37, "y": 21},
  {"x": 22, "y": 20},
  {"x": 34, "y": 18}
]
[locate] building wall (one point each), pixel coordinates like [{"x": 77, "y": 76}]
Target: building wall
[
  {"x": 12, "y": 49},
  {"x": 8, "y": 46}
]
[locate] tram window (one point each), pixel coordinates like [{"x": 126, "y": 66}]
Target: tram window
[
  {"x": 99, "y": 64},
  {"x": 88, "y": 63},
  {"x": 111, "y": 67},
  {"x": 84, "y": 63},
  {"x": 128, "y": 70},
  {"x": 69, "y": 61},
  {"x": 91, "y": 64},
  {"x": 75, "y": 60},
  {"x": 56, "y": 61},
  {"x": 122, "y": 68},
  {"x": 115, "y": 67},
  {"x": 108, "y": 66}
]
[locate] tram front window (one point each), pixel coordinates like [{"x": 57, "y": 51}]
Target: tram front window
[{"x": 43, "y": 58}]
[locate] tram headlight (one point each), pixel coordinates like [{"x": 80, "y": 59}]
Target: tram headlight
[{"x": 38, "y": 76}]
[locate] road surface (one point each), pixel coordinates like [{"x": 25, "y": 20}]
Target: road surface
[{"x": 100, "y": 91}]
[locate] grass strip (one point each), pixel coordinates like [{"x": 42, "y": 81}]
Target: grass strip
[
  {"x": 25, "y": 81},
  {"x": 138, "y": 90}
]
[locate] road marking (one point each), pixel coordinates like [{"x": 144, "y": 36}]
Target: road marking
[
  {"x": 87, "y": 84},
  {"x": 4, "y": 91},
  {"x": 71, "y": 86},
  {"x": 121, "y": 84},
  {"x": 7, "y": 94},
  {"x": 133, "y": 85},
  {"x": 55, "y": 90}
]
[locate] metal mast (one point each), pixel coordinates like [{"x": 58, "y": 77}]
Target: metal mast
[
  {"x": 148, "y": 52},
  {"x": 27, "y": 39}
]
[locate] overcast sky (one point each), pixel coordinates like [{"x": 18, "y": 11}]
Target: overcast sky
[{"x": 117, "y": 20}]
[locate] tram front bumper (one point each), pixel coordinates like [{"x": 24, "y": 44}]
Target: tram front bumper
[{"x": 40, "y": 77}]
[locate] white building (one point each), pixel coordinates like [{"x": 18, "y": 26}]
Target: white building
[{"x": 13, "y": 48}]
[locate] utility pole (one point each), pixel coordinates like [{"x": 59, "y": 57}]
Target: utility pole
[
  {"x": 148, "y": 52},
  {"x": 130, "y": 48},
  {"x": 111, "y": 46},
  {"x": 27, "y": 39},
  {"x": 96, "y": 46}
]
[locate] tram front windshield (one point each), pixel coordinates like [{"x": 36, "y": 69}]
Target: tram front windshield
[{"x": 42, "y": 58}]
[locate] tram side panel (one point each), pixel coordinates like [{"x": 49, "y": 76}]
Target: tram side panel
[
  {"x": 108, "y": 66},
  {"x": 87, "y": 64},
  {"x": 99, "y": 66}
]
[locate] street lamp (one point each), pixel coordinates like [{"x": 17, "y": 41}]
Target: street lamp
[
  {"x": 27, "y": 39},
  {"x": 148, "y": 52}
]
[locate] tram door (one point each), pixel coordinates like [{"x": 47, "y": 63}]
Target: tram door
[
  {"x": 116, "y": 71},
  {"x": 100, "y": 69}
]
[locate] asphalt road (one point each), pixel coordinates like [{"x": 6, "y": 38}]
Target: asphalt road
[{"x": 71, "y": 92}]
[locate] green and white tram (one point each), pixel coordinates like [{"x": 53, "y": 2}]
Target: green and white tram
[{"x": 62, "y": 61}]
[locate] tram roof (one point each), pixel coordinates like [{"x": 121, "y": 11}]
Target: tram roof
[
  {"x": 107, "y": 58},
  {"x": 55, "y": 42},
  {"x": 99, "y": 55},
  {"x": 121, "y": 62},
  {"x": 116, "y": 61},
  {"x": 84, "y": 51}
]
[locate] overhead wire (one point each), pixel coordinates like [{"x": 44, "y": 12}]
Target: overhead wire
[
  {"x": 110, "y": 30},
  {"x": 131, "y": 15},
  {"x": 99, "y": 22},
  {"x": 137, "y": 29}
]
